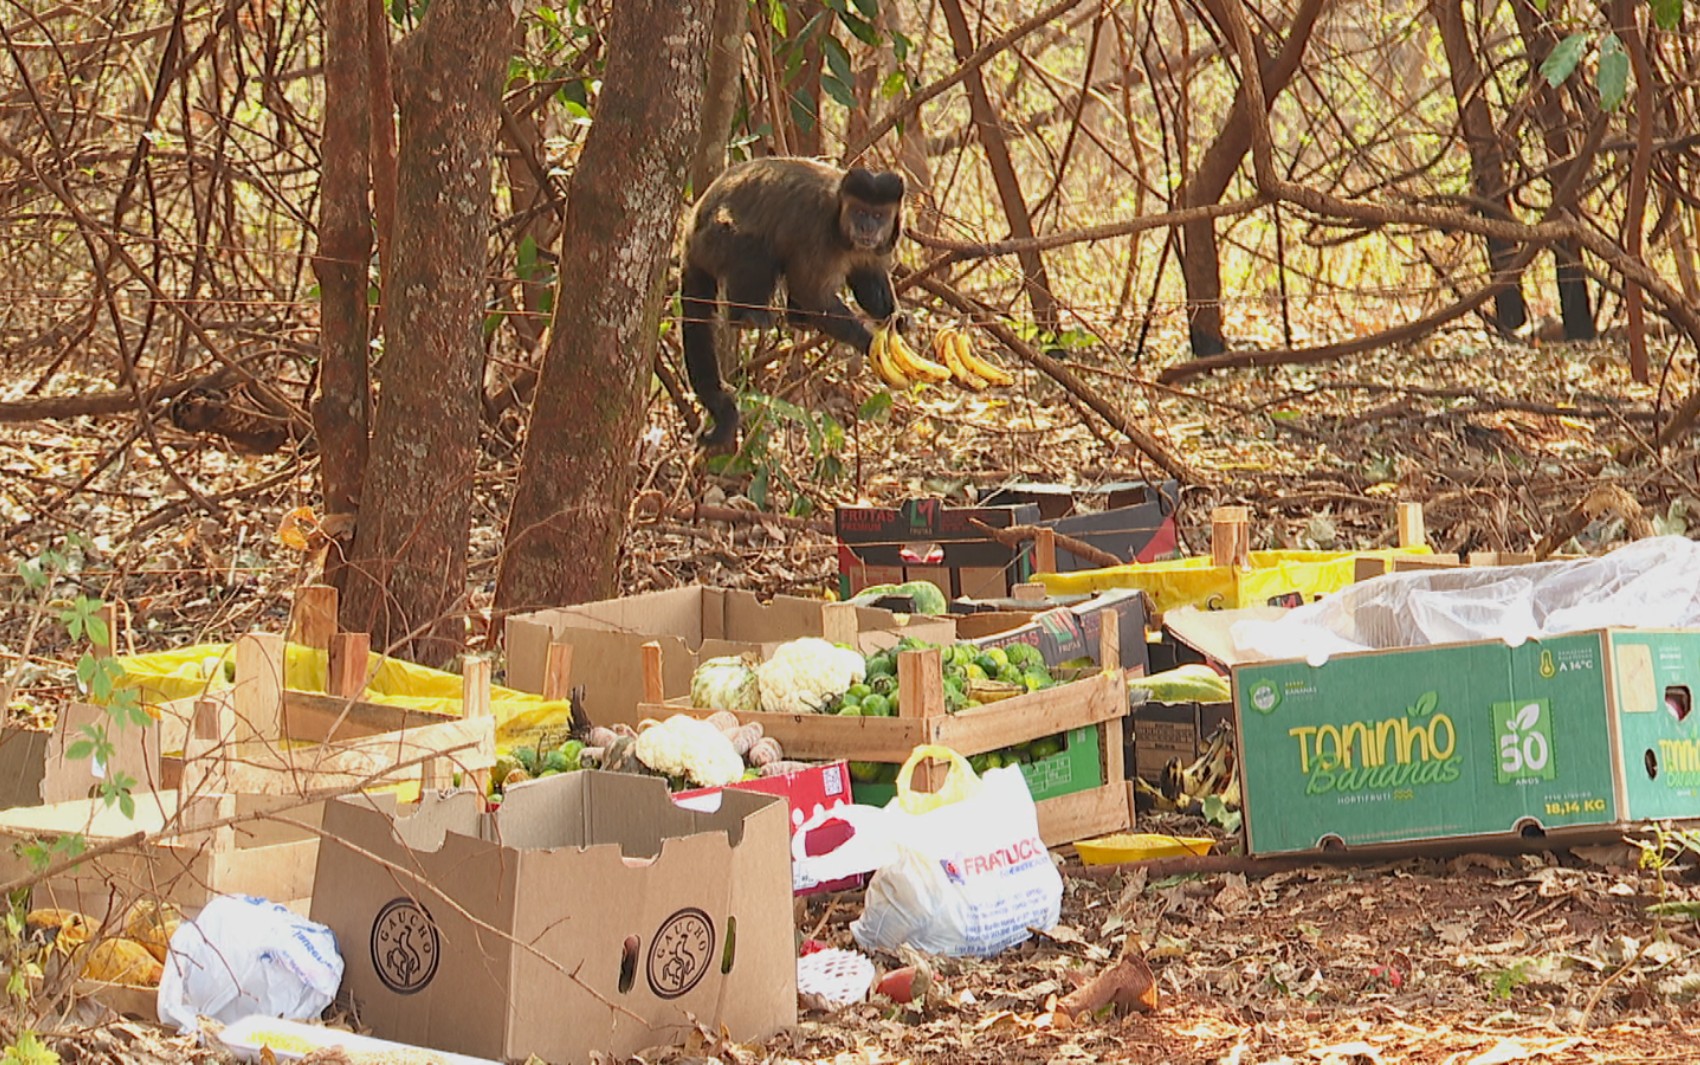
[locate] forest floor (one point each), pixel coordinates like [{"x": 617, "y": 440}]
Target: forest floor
[{"x": 1548, "y": 957}]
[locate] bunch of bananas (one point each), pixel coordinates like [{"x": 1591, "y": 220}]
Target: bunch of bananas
[
  {"x": 1184, "y": 788},
  {"x": 899, "y": 365}
]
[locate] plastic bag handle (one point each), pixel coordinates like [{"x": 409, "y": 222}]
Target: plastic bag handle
[{"x": 960, "y": 782}]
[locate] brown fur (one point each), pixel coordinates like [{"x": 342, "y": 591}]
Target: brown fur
[{"x": 793, "y": 219}]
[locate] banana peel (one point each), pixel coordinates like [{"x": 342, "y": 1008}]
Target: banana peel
[
  {"x": 119, "y": 961},
  {"x": 152, "y": 924},
  {"x": 945, "y": 350},
  {"x": 993, "y": 691},
  {"x": 879, "y": 354}
]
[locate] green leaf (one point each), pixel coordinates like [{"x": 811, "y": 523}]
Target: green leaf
[
  {"x": 875, "y": 407},
  {"x": 759, "y": 487},
  {"x": 838, "y": 91},
  {"x": 1564, "y": 58},
  {"x": 85, "y": 669},
  {"x": 900, "y": 46},
  {"x": 1667, "y": 13},
  {"x": 1541, "y": 6},
  {"x": 1613, "y": 75},
  {"x": 862, "y": 29},
  {"x": 837, "y": 59},
  {"x": 870, "y": 8},
  {"x": 525, "y": 256},
  {"x": 79, "y": 750},
  {"x": 894, "y": 84},
  {"x": 34, "y": 574}
]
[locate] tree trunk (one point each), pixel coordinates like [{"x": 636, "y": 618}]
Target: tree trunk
[
  {"x": 345, "y": 246},
  {"x": 1200, "y": 266},
  {"x": 1487, "y": 155},
  {"x": 576, "y": 476},
  {"x": 720, "y": 98},
  {"x": 1575, "y": 306},
  {"x": 989, "y": 127},
  {"x": 408, "y": 576}
]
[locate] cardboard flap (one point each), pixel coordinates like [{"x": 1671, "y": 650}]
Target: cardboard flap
[
  {"x": 429, "y": 824},
  {"x": 1209, "y": 632}
]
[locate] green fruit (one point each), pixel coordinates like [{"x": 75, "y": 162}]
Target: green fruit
[
  {"x": 974, "y": 671},
  {"x": 556, "y": 762},
  {"x": 876, "y": 705},
  {"x": 858, "y": 692},
  {"x": 1009, "y": 674},
  {"x": 853, "y": 710},
  {"x": 1024, "y": 655},
  {"x": 1037, "y": 679},
  {"x": 865, "y": 772},
  {"x": 1049, "y": 747},
  {"x": 527, "y": 758},
  {"x": 881, "y": 664},
  {"x": 978, "y": 762}
]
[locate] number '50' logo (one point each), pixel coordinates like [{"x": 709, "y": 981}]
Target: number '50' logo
[{"x": 1523, "y": 732}]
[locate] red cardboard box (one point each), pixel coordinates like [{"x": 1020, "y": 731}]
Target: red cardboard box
[{"x": 806, "y": 792}]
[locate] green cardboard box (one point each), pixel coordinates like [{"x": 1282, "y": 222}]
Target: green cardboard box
[
  {"x": 1458, "y": 741},
  {"x": 1077, "y": 767},
  {"x": 1654, "y": 675}
]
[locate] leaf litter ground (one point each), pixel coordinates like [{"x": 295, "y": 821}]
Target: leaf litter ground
[{"x": 1544, "y": 958}]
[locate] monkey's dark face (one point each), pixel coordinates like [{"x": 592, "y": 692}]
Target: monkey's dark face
[{"x": 866, "y": 226}]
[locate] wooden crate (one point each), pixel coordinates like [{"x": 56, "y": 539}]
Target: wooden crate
[
  {"x": 1099, "y": 701},
  {"x": 241, "y": 810}
]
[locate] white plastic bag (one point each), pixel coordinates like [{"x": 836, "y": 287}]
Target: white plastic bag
[
  {"x": 961, "y": 871},
  {"x": 243, "y": 956}
]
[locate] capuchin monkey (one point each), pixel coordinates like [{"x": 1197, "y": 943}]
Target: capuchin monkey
[{"x": 814, "y": 225}]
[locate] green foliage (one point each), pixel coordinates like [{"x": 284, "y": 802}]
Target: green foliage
[
  {"x": 1503, "y": 983},
  {"x": 1563, "y": 59},
  {"x": 1217, "y": 813},
  {"x": 771, "y": 424},
  {"x": 28, "y": 1050},
  {"x": 1613, "y": 75}
]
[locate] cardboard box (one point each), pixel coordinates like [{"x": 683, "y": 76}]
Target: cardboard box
[
  {"x": 1079, "y": 766},
  {"x": 1162, "y": 731},
  {"x": 34, "y": 769},
  {"x": 1653, "y": 676},
  {"x": 1135, "y": 522},
  {"x": 1461, "y": 741},
  {"x": 589, "y": 914},
  {"x": 691, "y": 624},
  {"x": 1067, "y": 632},
  {"x": 922, "y": 539},
  {"x": 806, "y": 793}
]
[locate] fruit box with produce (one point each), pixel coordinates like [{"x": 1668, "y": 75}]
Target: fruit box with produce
[
  {"x": 821, "y": 701},
  {"x": 692, "y": 624},
  {"x": 922, "y": 539},
  {"x": 1068, "y": 634},
  {"x": 581, "y": 891}
]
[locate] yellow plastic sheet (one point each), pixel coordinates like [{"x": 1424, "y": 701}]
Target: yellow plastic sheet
[
  {"x": 1196, "y": 582},
  {"x": 521, "y": 717}
]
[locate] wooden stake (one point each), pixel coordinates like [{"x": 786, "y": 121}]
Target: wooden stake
[
  {"x": 1230, "y": 536},
  {"x": 1110, "y": 640},
  {"x": 349, "y": 654},
  {"x": 838, "y": 624},
  {"x": 558, "y": 671},
  {"x": 475, "y": 704},
  {"x": 654, "y": 689},
  {"x": 1410, "y": 520},
  {"x": 108, "y": 614},
  {"x": 259, "y": 687},
  {"x": 312, "y": 620},
  {"x": 1045, "y": 550},
  {"x": 920, "y": 683}
]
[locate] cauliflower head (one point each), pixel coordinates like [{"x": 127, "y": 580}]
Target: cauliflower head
[
  {"x": 803, "y": 674},
  {"x": 683, "y": 746}
]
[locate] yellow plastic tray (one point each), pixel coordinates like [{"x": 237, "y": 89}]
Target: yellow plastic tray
[{"x": 1139, "y": 847}]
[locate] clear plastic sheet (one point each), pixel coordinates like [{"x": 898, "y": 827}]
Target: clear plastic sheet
[{"x": 1653, "y": 583}]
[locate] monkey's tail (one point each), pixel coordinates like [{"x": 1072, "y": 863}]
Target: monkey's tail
[{"x": 697, "y": 292}]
